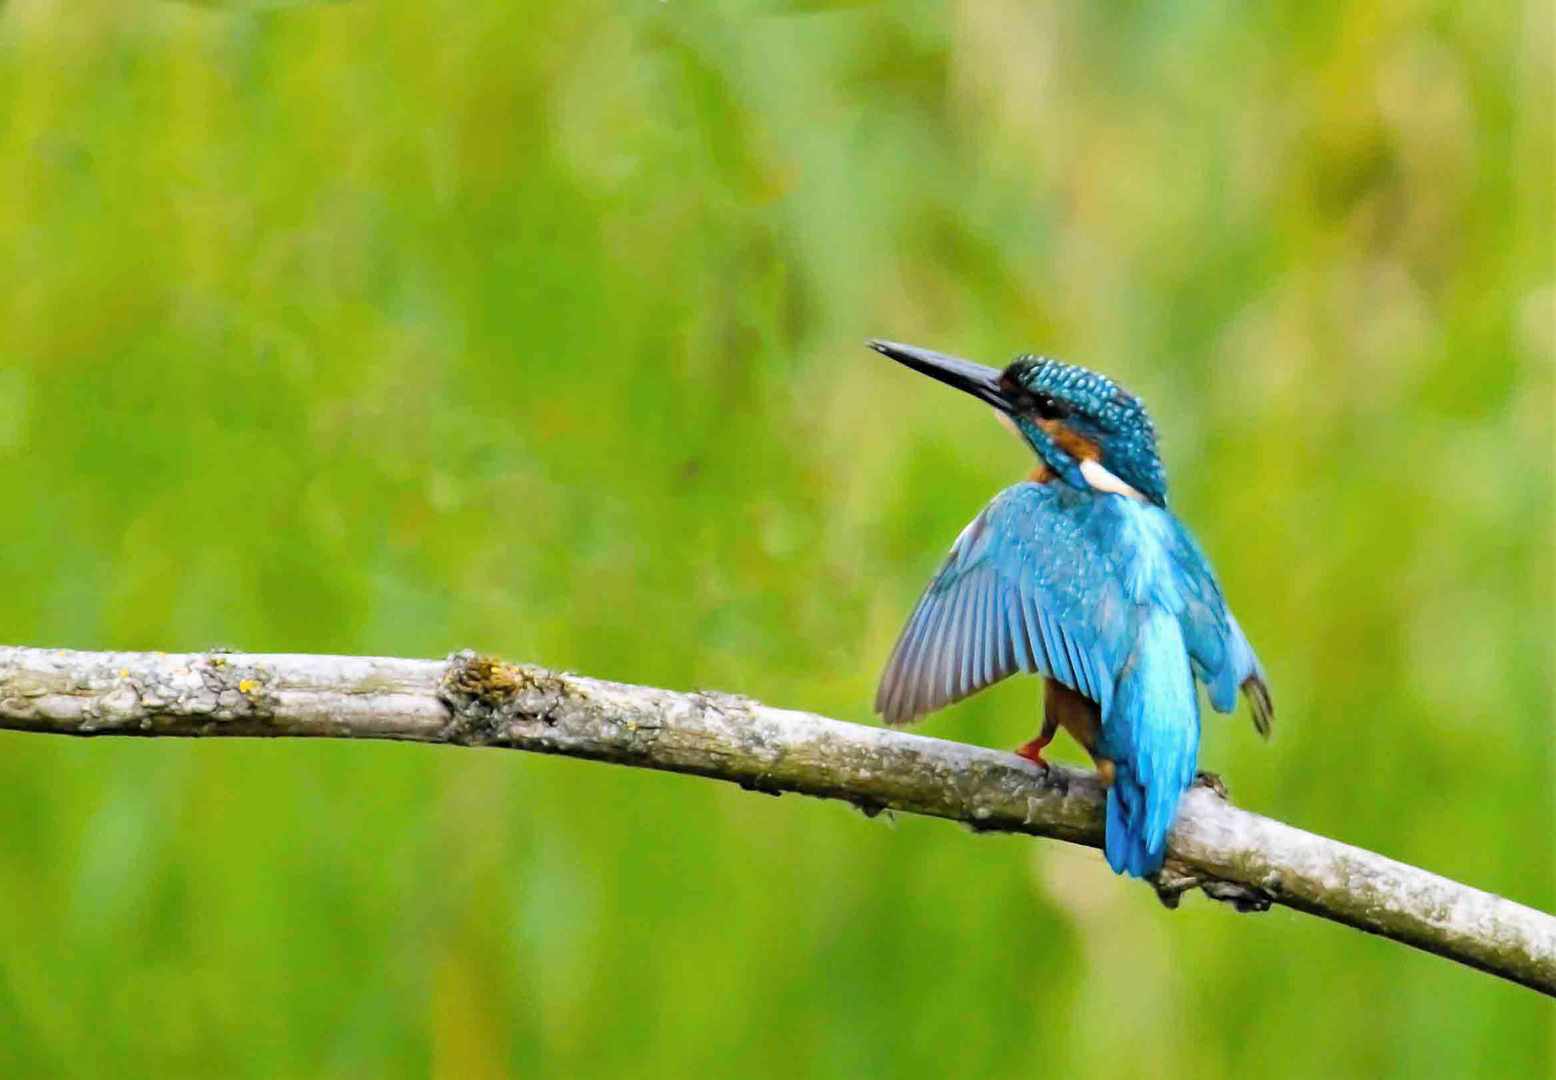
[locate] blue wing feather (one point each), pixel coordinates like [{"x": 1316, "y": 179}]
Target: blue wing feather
[
  {"x": 1220, "y": 654},
  {"x": 986, "y": 615}
]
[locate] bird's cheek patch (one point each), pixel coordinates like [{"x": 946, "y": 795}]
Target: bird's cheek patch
[{"x": 1070, "y": 441}]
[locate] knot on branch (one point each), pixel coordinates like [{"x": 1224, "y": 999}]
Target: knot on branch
[{"x": 485, "y": 695}]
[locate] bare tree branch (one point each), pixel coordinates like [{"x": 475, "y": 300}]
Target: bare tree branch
[{"x": 1231, "y": 854}]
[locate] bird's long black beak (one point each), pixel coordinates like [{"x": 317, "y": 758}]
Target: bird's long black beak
[{"x": 979, "y": 381}]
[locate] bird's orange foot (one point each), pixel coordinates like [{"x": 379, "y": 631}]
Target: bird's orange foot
[
  {"x": 1033, "y": 752},
  {"x": 1207, "y": 779}
]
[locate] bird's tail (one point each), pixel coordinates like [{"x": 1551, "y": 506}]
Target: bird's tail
[
  {"x": 1152, "y": 733},
  {"x": 1132, "y": 845}
]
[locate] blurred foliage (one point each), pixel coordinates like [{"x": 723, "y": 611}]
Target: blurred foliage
[{"x": 537, "y": 328}]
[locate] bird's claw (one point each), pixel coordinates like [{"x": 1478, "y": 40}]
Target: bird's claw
[
  {"x": 1207, "y": 779},
  {"x": 1171, "y": 881},
  {"x": 1033, "y": 752},
  {"x": 1174, "y": 879}
]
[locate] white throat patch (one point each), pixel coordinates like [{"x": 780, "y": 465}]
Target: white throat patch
[{"x": 1098, "y": 476}]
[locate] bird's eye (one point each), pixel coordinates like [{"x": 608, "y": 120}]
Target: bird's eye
[{"x": 1049, "y": 408}]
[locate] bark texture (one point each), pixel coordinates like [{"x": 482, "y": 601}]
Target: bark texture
[{"x": 1233, "y": 855}]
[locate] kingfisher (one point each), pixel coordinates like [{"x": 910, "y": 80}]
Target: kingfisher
[{"x": 1082, "y": 575}]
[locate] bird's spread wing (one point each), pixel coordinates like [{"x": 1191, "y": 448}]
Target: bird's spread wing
[
  {"x": 1048, "y": 579},
  {"x": 1031, "y": 585}
]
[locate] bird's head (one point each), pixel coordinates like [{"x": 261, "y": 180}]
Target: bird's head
[{"x": 1084, "y": 427}]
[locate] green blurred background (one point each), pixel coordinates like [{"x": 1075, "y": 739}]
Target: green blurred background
[{"x": 537, "y": 328}]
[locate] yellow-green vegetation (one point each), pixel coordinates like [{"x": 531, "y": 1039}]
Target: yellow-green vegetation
[{"x": 538, "y": 329}]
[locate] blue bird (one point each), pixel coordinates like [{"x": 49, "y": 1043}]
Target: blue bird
[{"x": 1082, "y": 575}]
